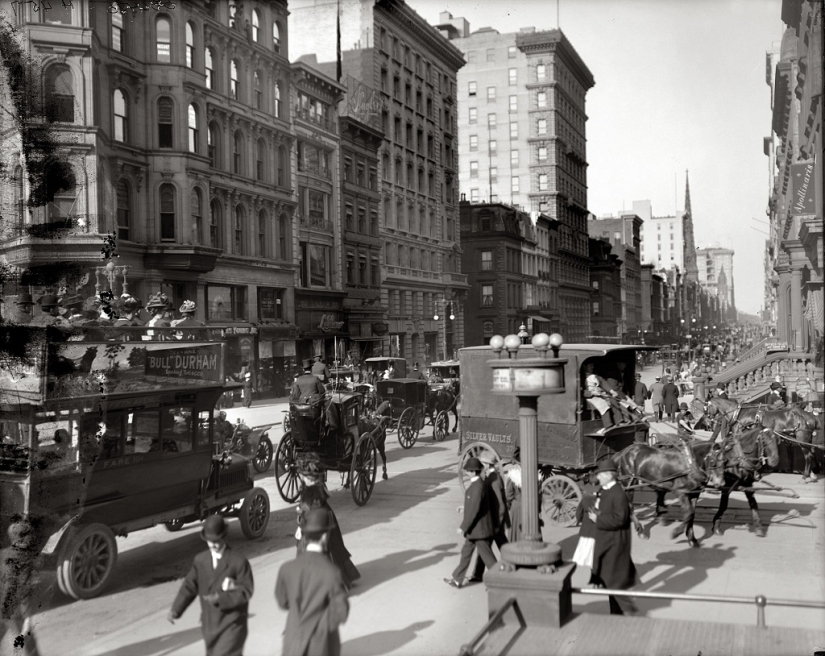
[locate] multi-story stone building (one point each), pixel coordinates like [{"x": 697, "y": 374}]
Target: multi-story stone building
[
  {"x": 716, "y": 278},
  {"x": 606, "y": 294},
  {"x": 174, "y": 130},
  {"x": 389, "y": 47},
  {"x": 661, "y": 238},
  {"x": 522, "y": 141},
  {"x": 547, "y": 287}
]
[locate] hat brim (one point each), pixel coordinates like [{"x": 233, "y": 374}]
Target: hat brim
[{"x": 214, "y": 537}]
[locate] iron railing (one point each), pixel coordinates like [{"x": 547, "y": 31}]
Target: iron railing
[{"x": 469, "y": 648}]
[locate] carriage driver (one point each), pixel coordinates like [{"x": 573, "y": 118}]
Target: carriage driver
[{"x": 307, "y": 388}]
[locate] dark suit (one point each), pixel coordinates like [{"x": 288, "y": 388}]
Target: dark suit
[
  {"x": 320, "y": 370},
  {"x": 307, "y": 387},
  {"x": 312, "y": 590},
  {"x": 415, "y": 374},
  {"x": 477, "y": 528},
  {"x": 612, "y": 564},
  {"x": 224, "y": 624},
  {"x": 499, "y": 515}
]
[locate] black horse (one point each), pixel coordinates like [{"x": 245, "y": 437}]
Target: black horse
[
  {"x": 376, "y": 422},
  {"x": 445, "y": 400}
]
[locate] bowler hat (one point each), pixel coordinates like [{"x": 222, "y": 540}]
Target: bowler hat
[
  {"x": 307, "y": 363},
  {"x": 606, "y": 465},
  {"x": 683, "y": 406},
  {"x": 214, "y": 528},
  {"x": 720, "y": 386},
  {"x": 24, "y": 299},
  {"x": 776, "y": 386},
  {"x": 658, "y": 378},
  {"x": 638, "y": 375},
  {"x": 47, "y": 301},
  {"x": 473, "y": 464},
  {"x": 317, "y": 522}
]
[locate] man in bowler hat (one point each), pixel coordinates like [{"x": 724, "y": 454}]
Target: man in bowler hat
[
  {"x": 612, "y": 566},
  {"x": 222, "y": 578},
  {"x": 477, "y": 527},
  {"x": 307, "y": 388},
  {"x": 312, "y": 590}
]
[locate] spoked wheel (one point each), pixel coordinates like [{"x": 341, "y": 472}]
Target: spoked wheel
[
  {"x": 480, "y": 450},
  {"x": 286, "y": 470},
  {"x": 174, "y": 525},
  {"x": 363, "y": 468},
  {"x": 560, "y": 496},
  {"x": 441, "y": 426},
  {"x": 407, "y": 428},
  {"x": 263, "y": 457},
  {"x": 87, "y": 561},
  {"x": 254, "y": 513}
]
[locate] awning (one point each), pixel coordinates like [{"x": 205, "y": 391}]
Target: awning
[
  {"x": 540, "y": 319},
  {"x": 277, "y": 330},
  {"x": 374, "y": 338}
]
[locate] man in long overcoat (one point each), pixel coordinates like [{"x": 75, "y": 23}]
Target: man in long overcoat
[
  {"x": 307, "y": 388},
  {"x": 222, "y": 578},
  {"x": 312, "y": 590},
  {"x": 640, "y": 393},
  {"x": 320, "y": 369},
  {"x": 612, "y": 564},
  {"x": 656, "y": 397},
  {"x": 477, "y": 527},
  {"x": 670, "y": 396},
  {"x": 497, "y": 498}
]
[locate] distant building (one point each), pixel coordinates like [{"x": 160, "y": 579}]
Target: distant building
[
  {"x": 716, "y": 278},
  {"x": 661, "y": 238},
  {"x": 606, "y": 294}
]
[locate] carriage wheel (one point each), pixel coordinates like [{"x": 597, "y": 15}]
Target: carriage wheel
[
  {"x": 407, "y": 428},
  {"x": 560, "y": 496},
  {"x": 263, "y": 456},
  {"x": 441, "y": 426},
  {"x": 480, "y": 450},
  {"x": 87, "y": 561},
  {"x": 286, "y": 470},
  {"x": 363, "y": 468},
  {"x": 254, "y": 513}
]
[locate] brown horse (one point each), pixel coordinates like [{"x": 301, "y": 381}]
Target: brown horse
[
  {"x": 667, "y": 469},
  {"x": 443, "y": 400},
  {"x": 376, "y": 422}
]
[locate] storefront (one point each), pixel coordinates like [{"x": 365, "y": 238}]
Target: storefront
[
  {"x": 367, "y": 338},
  {"x": 319, "y": 316},
  {"x": 277, "y": 359}
]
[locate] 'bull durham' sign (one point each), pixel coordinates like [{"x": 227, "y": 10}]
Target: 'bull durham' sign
[{"x": 191, "y": 363}]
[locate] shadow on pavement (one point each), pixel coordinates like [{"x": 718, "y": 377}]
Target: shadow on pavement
[
  {"x": 165, "y": 644},
  {"x": 384, "y": 642},
  {"x": 376, "y": 572}
]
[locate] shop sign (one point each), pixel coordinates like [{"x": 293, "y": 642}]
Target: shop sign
[
  {"x": 329, "y": 324},
  {"x": 192, "y": 363},
  {"x": 380, "y": 328},
  {"x": 241, "y": 330},
  {"x": 776, "y": 346}
]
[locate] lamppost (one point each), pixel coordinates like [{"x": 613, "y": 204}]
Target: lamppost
[
  {"x": 436, "y": 317},
  {"x": 523, "y": 334}
]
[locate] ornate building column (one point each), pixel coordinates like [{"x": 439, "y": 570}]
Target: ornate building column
[{"x": 797, "y": 338}]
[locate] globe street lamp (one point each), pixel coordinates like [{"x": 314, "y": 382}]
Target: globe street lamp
[{"x": 523, "y": 334}]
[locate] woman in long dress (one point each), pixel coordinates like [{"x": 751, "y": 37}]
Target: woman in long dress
[{"x": 513, "y": 493}]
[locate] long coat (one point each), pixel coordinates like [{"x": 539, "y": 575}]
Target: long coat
[
  {"x": 312, "y": 590},
  {"x": 656, "y": 396},
  {"x": 640, "y": 393},
  {"x": 671, "y": 398},
  {"x": 478, "y": 523},
  {"x": 611, "y": 558},
  {"x": 307, "y": 387},
  {"x": 497, "y": 499},
  {"x": 223, "y": 625}
]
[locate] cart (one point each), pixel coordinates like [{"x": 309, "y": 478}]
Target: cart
[
  {"x": 407, "y": 398},
  {"x": 445, "y": 372},
  {"x": 121, "y": 440},
  {"x": 342, "y": 448},
  {"x": 569, "y": 443},
  {"x": 377, "y": 366}
]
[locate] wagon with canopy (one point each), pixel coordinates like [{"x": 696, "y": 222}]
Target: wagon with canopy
[
  {"x": 407, "y": 398},
  {"x": 570, "y": 441}
]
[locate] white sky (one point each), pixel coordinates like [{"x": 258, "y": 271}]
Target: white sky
[{"x": 680, "y": 84}]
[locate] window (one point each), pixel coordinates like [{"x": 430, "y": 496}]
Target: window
[
  {"x": 224, "y": 302},
  {"x": 19, "y": 195},
  {"x": 541, "y": 127},
  {"x": 493, "y": 146},
  {"x": 237, "y": 153},
  {"x": 513, "y": 131},
  {"x": 486, "y": 260},
  {"x": 471, "y": 88},
  {"x": 362, "y": 269},
  {"x": 493, "y": 174},
  {"x": 165, "y": 109},
  {"x": 262, "y": 251},
  {"x": 260, "y": 158},
  {"x": 362, "y": 221},
  {"x": 121, "y": 117},
  {"x": 270, "y": 303},
  {"x": 491, "y": 54},
  {"x": 208, "y": 67},
  {"x": 474, "y": 195},
  {"x": 513, "y": 77},
  {"x": 596, "y": 309},
  {"x": 541, "y": 72},
  {"x": 514, "y": 184},
  {"x": 471, "y": 57},
  {"x": 124, "y": 209},
  {"x": 349, "y": 221},
  {"x": 193, "y": 129},
  {"x": 256, "y": 25},
  {"x": 473, "y": 142},
  {"x": 350, "y": 267},
  {"x": 514, "y": 159},
  {"x": 197, "y": 216},
  {"x": 473, "y": 169},
  {"x": 212, "y": 144},
  {"x": 190, "y": 45},
  {"x": 256, "y": 85},
  {"x": 60, "y": 89},
  {"x": 542, "y": 153},
  {"x": 163, "y": 30},
  {"x": 473, "y": 115},
  {"x": 513, "y": 104},
  {"x": 283, "y": 237},
  {"x": 234, "y": 87},
  {"x": 491, "y": 94},
  {"x": 375, "y": 271},
  {"x": 491, "y": 121},
  {"x": 541, "y": 99},
  {"x": 167, "y": 212},
  {"x": 233, "y": 14},
  {"x": 118, "y": 32},
  {"x": 215, "y": 224},
  {"x": 487, "y": 296},
  {"x": 240, "y": 220},
  {"x": 511, "y": 52},
  {"x": 277, "y": 108},
  {"x": 276, "y": 36},
  {"x": 542, "y": 182}
]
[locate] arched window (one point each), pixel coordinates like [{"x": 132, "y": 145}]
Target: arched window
[
  {"x": 190, "y": 45},
  {"x": 215, "y": 224},
  {"x": 256, "y": 25},
  {"x": 234, "y": 85},
  {"x": 194, "y": 130},
  {"x": 197, "y": 216},
  {"x": 60, "y": 89},
  {"x": 259, "y": 160},
  {"x": 209, "y": 68},
  {"x": 124, "y": 209},
  {"x": 256, "y": 84},
  {"x": 262, "y": 234},
  {"x": 283, "y": 237},
  {"x": 165, "y": 123},
  {"x": 121, "y": 116},
  {"x": 233, "y": 13},
  {"x": 283, "y": 167},
  {"x": 118, "y": 32},
  {"x": 213, "y": 141},
  {"x": 163, "y": 30},
  {"x": 167, "y": 212},
  {"x": 19, "y": 196},
  {"x": 240, "y": 219},
  {"x": 276, "y": 36},
  {"x": 276, "y": 110},
  {"x": 237, "y": 153}
]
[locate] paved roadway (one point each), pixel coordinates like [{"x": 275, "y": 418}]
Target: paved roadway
[{"x": 404, "y": 543}]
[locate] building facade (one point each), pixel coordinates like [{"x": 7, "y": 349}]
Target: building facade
[
  {"x": 412, "y": 67},
  {"x": 606, "y": 297},
  {"x": 716, "y": 278},
  {"x": 522, "y": 140},
  {"x": 661, "y": 239}
]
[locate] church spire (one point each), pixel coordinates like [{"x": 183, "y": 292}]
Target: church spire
[{"x": 691, "y": 268}]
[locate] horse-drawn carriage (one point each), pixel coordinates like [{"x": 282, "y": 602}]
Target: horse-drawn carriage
[
  {"x": 379, "y": 366},
  {"x": 570, "y": 441},
  {"x": 332, "y": 430},
  {"x": 407, "y": 399},
  {"x": 443, "y": 394}
]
